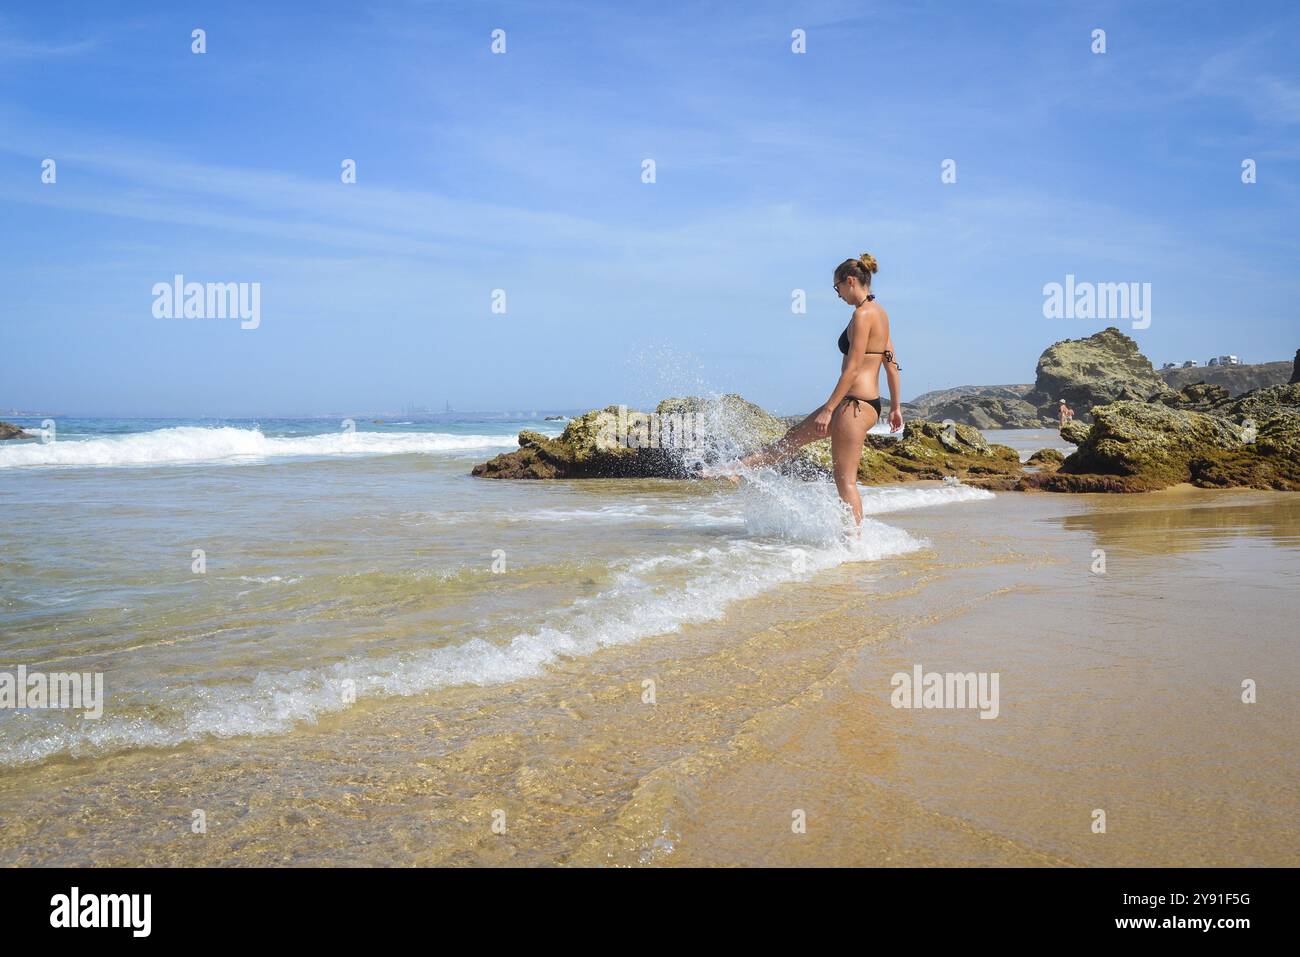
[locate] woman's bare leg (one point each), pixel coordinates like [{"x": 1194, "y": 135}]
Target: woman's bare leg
[
  {"x": 796, "y": 438},
  {"x": 849, "y": 427}
]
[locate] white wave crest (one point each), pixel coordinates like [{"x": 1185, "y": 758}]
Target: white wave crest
[{"x": 188, "y": 445}]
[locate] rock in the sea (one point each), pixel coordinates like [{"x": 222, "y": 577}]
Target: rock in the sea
[
  {"x": 1251, "y": 441},
  {"x": 933, "y": 450},
  {"x": 578, "y": 453},
  {"x": 730, "y": 427},
  {"x": 1295, "y": 369},
  {"x": 1103, "y": 368},
  {"x": 10, "y": 431},
  {"x": 1046, "y": 459},
  {"x": 617, "y": 442},
  {"x": 728, "y": 419}
]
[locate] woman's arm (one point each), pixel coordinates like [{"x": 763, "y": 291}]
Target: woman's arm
[
  {"x": 858, "y": 330},
  {"x": 895, "y": 391}
]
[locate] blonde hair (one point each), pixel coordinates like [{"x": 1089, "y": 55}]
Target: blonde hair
[{"x": 861, "y": 269}]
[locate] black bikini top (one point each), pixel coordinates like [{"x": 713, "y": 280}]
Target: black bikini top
[{"x": 844, "y": 345}]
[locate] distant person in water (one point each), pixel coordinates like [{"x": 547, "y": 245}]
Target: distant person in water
[
  {"x": 854, "y": 405},
  {"x": 1067, "y": 413}
]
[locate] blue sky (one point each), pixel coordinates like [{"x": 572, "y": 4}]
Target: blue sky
[{"x": 522, "y": 172}]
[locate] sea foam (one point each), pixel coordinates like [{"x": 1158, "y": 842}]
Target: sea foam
[{"x": 189, "y": 445}]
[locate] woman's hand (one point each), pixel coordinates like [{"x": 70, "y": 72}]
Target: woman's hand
[
  {"x": 823, "y": 420},
  {"x": 895, "y": 419}
]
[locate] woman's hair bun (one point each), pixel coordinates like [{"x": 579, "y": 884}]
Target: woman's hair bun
[{"x": 869, "y": 261}]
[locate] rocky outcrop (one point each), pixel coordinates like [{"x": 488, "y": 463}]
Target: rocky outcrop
[
  {"x": 617, "y": 442},
  {"x": 1046, "y": 459},
  {"x": 985, "y": 410},
  {"x": 927, "y": 400},
  {"x": 1250, "y": 441},
  {"x": 930, "y": 451},
  {"x": 985, "y": 407},
  {"x": 10, "y": 431},
  {"x": 577, "y": 453},
  {"x": 1075, "y": 432},
  {"x": 726, "y": 428},
  {"x": 1103, "y": 368},
  {"x": 1199, "y": 435},
  {"x": 1235, "y": 379},
  {"x": 1198, "y": 397}
]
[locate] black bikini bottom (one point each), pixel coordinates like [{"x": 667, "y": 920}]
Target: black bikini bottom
[{"x": 874, "y": 403}]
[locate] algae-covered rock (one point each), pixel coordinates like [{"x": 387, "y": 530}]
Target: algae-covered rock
[
  {"x": 729, "y": 420},
  {"x": 618, "y": 442},
  {"x": 730, "y": 427},
  {"x": 538, "y": 457},
  {"x": 1252, "y": 441},
  {"x": 1102, "y": 368},
  {"x": 1263, "y": 403},
  {"x": 1267, "y": 423},
  {"x": 1196, "y": 396},
  {"x": 928, "y": 451},
  {"x": 1075, "y": 432},
  {"x": 588, "y": 448},
  {"x": 933, "y": 450},
  {"x": 1148, "y": 441},
  {"x": 1046, "y": 459}
]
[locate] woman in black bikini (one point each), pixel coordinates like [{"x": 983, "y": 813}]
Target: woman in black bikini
[{"x": 854, "y": 405}]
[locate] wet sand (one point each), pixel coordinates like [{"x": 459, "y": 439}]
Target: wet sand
[{"x": 1118, "y": 691}]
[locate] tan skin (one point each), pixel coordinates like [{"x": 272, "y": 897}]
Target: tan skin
[{"x": 847, "y": 423}]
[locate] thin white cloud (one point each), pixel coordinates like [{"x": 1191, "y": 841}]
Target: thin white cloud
[{"x": 16, "y": 47}]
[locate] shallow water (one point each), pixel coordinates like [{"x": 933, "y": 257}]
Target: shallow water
[
  {"x": 385, "y": 656},
  {"x": 1028, "y": 441},
  {"x": 335, "y": 573}
]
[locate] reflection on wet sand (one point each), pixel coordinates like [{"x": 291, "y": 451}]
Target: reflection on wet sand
[{"x": 1188, "y": 519}]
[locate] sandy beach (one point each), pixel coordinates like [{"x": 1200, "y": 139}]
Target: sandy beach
[{"x": 766, "y": 736}]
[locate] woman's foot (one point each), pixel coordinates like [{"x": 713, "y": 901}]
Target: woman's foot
[{"x": 720, "y": 472}]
